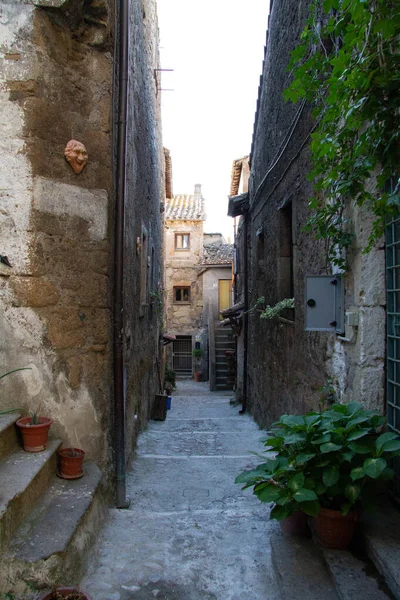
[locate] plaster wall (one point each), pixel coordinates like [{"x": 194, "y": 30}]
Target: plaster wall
[{"x": 211, "y": 276}]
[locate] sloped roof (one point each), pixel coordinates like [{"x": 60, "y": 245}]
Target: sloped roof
[
  {"x": 185, "y": 207},
  {"x": 237, "y": 167},
  {"x": 217, "y": 254}
]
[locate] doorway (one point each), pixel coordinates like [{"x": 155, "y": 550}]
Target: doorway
[
  {"x": 182, "y": 355},
  {"x": 224, "y": 295}
]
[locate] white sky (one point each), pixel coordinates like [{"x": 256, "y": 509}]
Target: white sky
[{"x": 216, "y": 48}]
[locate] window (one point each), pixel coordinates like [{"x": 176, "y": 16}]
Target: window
[
  {"x": 182, "y": 295},
  {"x": 182, "y": 241}
]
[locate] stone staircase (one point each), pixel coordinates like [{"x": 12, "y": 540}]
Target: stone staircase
[
  {"x": 224, "y": 341},
  {"x": 368, "y": 570},
  {"x": 47, "y": 524}
]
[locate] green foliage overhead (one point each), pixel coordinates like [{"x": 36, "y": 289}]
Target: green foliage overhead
[
  {"x": 331, "y": 458},
  {"x": 347, "y": 66}
]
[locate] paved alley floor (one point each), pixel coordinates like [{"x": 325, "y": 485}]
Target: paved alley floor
[{"x": 190, "y": 532}]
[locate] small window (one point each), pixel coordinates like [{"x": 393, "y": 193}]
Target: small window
[
  {"x": 182, "y": 295},
  {"x": 182, "y": 241}
]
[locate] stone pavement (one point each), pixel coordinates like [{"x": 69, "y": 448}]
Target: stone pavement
[{"x": 190, "y": 532}]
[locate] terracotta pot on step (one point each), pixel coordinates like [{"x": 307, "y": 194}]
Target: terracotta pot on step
[
  {"x": 335, "y": 530},
  {"x": 34, "y": 437},
  {"x": 197, "y": 376},
  {"x": 68, "y": 593},
  {"x": 70, "y": 463},
  {"x": 296, "y": 524}
]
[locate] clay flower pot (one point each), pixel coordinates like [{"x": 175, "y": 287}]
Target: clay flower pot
[
  {"x": 68, "y": 593},
  {"x": 34, "y": 437},
  {"x": 197, "y": 376},
  {"x": 296, "y": 524},
  {"x": 335, "y": 530},
  {"x": 70, "y": 463}
]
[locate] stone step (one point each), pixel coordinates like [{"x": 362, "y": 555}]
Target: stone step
[
  {"x": 355, "y": 577},
  {"x": 300, "y": 570},
  {"x": 8, "y": 433},
  {"x": 304, "y": 569},
  {"x": 51, "y": 545},
  {"x": 381, "y": 541},
  {"x": 23, "y": 478}
]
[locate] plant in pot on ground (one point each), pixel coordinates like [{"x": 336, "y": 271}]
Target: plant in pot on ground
[
  {"x": 197, "y": 354},
  {"x": 326, "y": 464}
]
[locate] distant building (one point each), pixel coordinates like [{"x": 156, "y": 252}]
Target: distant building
[{"x": 198, "y": 282}]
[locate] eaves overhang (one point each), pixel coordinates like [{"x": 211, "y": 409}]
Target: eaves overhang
[{"x": 238, "y": 205}]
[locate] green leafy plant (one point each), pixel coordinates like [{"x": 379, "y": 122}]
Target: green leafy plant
[
  {"x": 169, "y": 380},
  {"x": 347, "y": 67},
  {"x": 331, "y": 458},
  {"x": 271, "y": 312}
]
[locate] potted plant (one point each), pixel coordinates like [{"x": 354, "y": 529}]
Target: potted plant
[
  {"x": 326, "y": 464},
  {"x": 197, "y": 354},
  {"x": 35, "y": 431},
  {"x": 66, "y": 593},
  {"x": 70, "y": 463}
]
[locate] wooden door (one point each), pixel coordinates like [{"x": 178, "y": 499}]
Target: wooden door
[{"x": 224, "y": 295}]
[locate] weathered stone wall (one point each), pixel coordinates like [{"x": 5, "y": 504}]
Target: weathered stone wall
[
  {"x": 287, "y": 366},
  {"x": 57, "y": 227},
  {"x": 144, "y": 197}
]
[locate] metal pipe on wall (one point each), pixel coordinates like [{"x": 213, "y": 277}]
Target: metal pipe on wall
[{"x": 121, "y": 52}]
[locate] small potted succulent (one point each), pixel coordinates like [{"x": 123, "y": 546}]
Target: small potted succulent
[
  {"x": 326, "y": 464},
  {"x": 35, "y": 431}
]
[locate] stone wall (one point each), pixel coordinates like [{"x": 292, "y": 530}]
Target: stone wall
[
  {"x": 144, "y": 196},
  {"x": 56, "y": 227},
  {"x": 287, "y": 366}
]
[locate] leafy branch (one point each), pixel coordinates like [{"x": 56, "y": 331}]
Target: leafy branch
[{"x": 347, "y": 66}]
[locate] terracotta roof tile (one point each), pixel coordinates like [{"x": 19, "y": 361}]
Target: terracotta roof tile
[
  {"x": 185, "y": 207},
  {"x": 217, "y": 254}
]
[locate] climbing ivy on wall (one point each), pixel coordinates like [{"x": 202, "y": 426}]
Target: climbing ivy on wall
[{"x": 347, "y": 66}]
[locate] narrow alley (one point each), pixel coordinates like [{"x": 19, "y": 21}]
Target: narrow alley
[{"x": 190, "y": 533}]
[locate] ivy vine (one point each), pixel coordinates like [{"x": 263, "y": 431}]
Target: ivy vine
[{"x": 347, "y": 66}]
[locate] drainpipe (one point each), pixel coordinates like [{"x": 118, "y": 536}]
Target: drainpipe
[
  {"x": 246, "y": 309},
  {"x": 121, "y": 52}
]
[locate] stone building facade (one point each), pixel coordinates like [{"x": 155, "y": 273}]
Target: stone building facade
[
  {"x": 184, "y": 218},
  {"x": 286, "y": 366},
  {"x": 57, "y": 65},
  {"x": 197, "y": 264}
]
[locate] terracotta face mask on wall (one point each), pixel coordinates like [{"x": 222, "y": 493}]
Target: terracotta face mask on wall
[{"x": 75, "y": 153}]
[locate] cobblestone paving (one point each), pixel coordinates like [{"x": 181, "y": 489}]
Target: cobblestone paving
[{"x": 190, "y": 532}]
